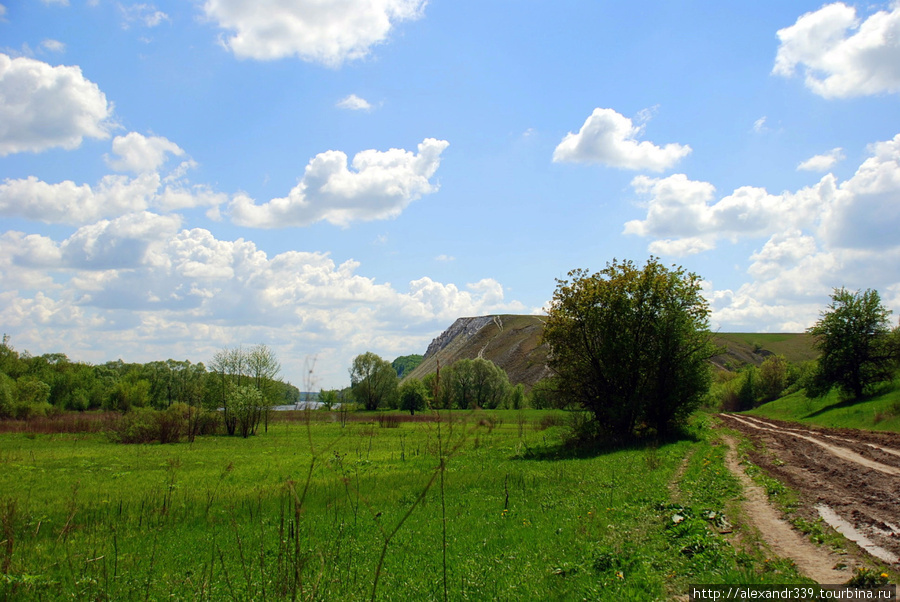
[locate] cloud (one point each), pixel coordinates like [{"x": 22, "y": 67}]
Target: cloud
[
  {"x": 53, "y": 45},
  {"x": 837, "y": 63},
  {"x": 822, "y": 162},
  {"x": 378, "y": 185},
  {"x": 329, "y": 33},
  {"x": 861, "y": 212},
  {"x": 69, "y": 203},
  {"x": 144, "y": 14},
  {"x": 445, "y": 257},
  {"x": 610, "y": 138},
  {"x": 46, "y": 107},
  {"x": 760, "y": 125},
  {"x": 831, "y": 234},
  {"x": 354, "y": 103},
  {"x": 140, "y": 287},
  {"x": 865, "y": 213},
  {"x": 139, "y": 154},
  {"x": 682, "y": 212},
  {"x": 114, "y": 195}
]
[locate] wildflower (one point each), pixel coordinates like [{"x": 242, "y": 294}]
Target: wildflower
[
  {"x": 620, "y": 574},
  {"x": 884, "y": 575}
]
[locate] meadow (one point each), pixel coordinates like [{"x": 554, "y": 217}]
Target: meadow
[{"x": 475, "y": 505}]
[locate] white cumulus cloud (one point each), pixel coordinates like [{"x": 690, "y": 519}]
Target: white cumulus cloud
[
  {"x": 139, "y": 154},
  {"x": 842, "y": 56},
  {"x": 69, "y": 203},
  {"x": 45, "y": 106},
  {"x": 611, "y": 139},
  {"x": 376, "y": 185},
  {"x": 154, "y": 290},
  {"x": 329, "y": 33},
  {"x": 822, "y": 162},
  {"x": 831, "y": 234},
  {"x": 354, "y": 103}
]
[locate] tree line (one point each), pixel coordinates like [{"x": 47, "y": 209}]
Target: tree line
[
  {"x": 466, "y": 384},
  {"x": 242, "y": 382}
]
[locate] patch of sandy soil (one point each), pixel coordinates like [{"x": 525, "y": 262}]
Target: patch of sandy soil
[{"x": 848, "y": 477}]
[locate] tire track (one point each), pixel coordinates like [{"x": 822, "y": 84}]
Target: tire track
[{"x": 850, "y": 480}]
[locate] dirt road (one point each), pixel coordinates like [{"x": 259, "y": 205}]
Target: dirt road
[{"x": 849, "y": 478}]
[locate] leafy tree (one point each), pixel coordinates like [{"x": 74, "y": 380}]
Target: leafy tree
[
  {"x": 458, "y": 384},
  {"x": 329, "y": 399},
  {"x": 854, "y": 342},
  {"x": 237, "y": 368},
  {"x": 490, "y": 384},
  {"x": 413, "y": 395},
  {"x": 630, "y": 345},
  {"x": 517, "y": 398},
  {"x": 543, "y": 395},
  {"x": 406, "y": 364},
  {"x": 774, "y": 374},
  {"x": 373, "y": 381}
]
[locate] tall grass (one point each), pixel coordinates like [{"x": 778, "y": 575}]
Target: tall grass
[{"x": 468, "y": 506}]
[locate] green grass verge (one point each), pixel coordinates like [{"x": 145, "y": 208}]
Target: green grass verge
[
  {"x": 321, "y": 511},
  {"x": 880, "y": 411}
]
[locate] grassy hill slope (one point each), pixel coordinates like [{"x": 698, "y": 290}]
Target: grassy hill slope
[
  {"x": 880, "y": 411},
  {"x": 513, "y": 342},
  {"x": 753, "y": 348}
]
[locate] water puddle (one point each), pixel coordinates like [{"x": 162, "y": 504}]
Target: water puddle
[{"x": 851, "y": 533}]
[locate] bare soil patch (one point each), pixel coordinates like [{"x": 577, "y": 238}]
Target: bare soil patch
[{"x": 855, "y": 474}]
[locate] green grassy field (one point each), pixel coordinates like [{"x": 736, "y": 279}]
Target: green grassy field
[
  {"x": 356, "y": 512},
  {"x": 880, "y": 411},
  {"x": 796, "y": 347}
]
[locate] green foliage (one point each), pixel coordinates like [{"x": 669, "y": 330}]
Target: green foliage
[
  {"x": 247, "y": 404},
  {"x": 853, "y": 338},
  {"x": 406, "y": 364},
  {"x": 329, "y": 398},
  {"x": 236, "y": 369},
  {"x": 631, "y": 345},
  {"x": 474, "y": 383},
  {"x": 516, "y": 399},
  {"x": 413, "y": 395},
  {"x": 373, "y": 381},
  {"x": 544, "y": 396}
]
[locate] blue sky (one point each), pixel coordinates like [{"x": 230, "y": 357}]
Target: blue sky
[{"x": 330, "y": 178}]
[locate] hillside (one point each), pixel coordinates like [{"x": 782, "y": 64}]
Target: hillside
[
  {"x": 752, "y": 348},
  {"x": 514, "y": 343}
]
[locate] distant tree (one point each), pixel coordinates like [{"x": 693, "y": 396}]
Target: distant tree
[
  {"x": 630, "y": 345},
  {"x": 329, "y": 399},
  {"x": 490, "y": 384},
  {"x": 373, "y": 381},
  {"x": 854, "y": 340},
  {"x": 543, "y": 395},
  {"x": 773, "y": 377},
  {"x": 413, "y": 395},
  {"x": 516, "y": 397},
  {"x": 406, "y": 364},
  {"x": 459, "y": 384},
  {"x": 264, "y": 368},
  {"x": 235, "y": 368}
]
